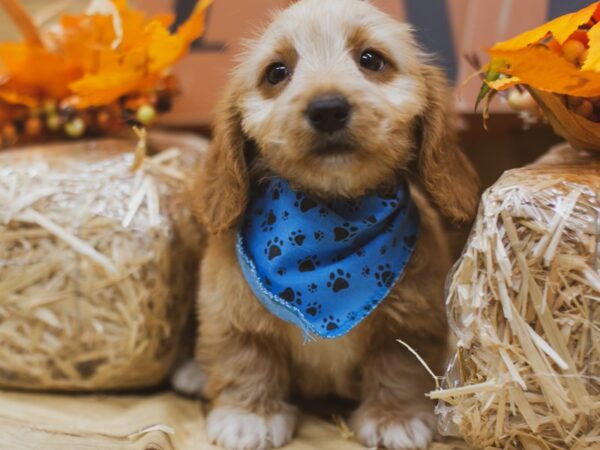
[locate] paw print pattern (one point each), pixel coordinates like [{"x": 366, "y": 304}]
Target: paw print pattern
[
  {"x": 352, "y": 206},
  {"x": 297, "y": 238},
  {"x": 339, "y": 280},
  {"x": 384, "y": 275},
  {"x": 345, "y": 232},
  {"x": 410, "y": 241},
  {"x": 390, "y": 200},
  {"x": 310, "y": 261},
  {"x": 313, "y": 309},
  {"x": 370, "y": 220},
  {"x": 338, "y": 258},
  {"x": 304, "y": 203},
  {"x": 330, "y": 323},
  {"x": 390, "y": 203},
  {"x": 291, "y": 296},
  {"x": 308, "y": 264},
  {"x": 269, "y": 221},
  {"x": 276, "y": 192},
  {"x": 273, "y": 248}
]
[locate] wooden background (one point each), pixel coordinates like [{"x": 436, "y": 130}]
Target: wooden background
[{"x": 448, "y": 28}]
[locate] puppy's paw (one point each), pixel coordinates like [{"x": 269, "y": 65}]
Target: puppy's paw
[
  {"x": 236, "y": 429},
  {"x": 406, "y": 433},
  {"x": 189, "y": 379}
]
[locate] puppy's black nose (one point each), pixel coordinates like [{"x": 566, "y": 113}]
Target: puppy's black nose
[{"x": 328, "y": 114}]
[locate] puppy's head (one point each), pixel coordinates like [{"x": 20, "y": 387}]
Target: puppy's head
[{"x": 335, "y": 97}]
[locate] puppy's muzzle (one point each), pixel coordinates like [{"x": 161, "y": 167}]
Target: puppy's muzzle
[{"x": 329, "y": 114}]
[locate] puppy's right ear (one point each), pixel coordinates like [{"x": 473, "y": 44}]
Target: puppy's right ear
[{"x": 221, "y": 187}]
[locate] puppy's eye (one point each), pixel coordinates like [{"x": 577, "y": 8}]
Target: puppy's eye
[
  {"x": 372, "y": 60},
  {"x": 276, "y": 73}
]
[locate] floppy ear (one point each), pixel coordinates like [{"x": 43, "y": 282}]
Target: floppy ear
[
  {"x": 446, "y": 172},
  {"x": 221, "y": 186}
]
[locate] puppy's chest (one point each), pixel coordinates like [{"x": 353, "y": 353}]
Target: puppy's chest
[{"x": 326, "y": 366}]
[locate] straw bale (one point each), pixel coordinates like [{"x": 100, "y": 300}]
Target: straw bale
[
  {"x": 97, "y": 263},
  {"x": 523, "y": 302}
]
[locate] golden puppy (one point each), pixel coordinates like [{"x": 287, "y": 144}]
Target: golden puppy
[{"x": 383, "y": 115}]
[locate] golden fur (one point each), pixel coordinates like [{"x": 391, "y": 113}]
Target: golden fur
[{"x": 402, "y": 125}]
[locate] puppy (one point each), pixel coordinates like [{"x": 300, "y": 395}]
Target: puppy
[{"x": 333, "y": 103}]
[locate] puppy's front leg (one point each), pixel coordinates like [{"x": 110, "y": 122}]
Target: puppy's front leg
[
  {"x": 249, "y": 381},
  {"x": 394, "y": 413},
  {"x": 243, "y": 356}
]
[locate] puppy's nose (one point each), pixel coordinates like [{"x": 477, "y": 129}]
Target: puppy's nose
[{"x": 328, "y": 114}]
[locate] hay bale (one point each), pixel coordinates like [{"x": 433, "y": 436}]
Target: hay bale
[
  {"x": 97, "y": 264},
  {"x": 523, "y": 301}
]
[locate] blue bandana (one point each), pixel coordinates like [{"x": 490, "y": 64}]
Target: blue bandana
[{"x": 324, "y": 266}]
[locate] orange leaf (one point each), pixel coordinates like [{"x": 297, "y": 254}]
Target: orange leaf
[
  {"x": 193, "y": 28},
  {"x": 36, "y": 70},
  {"x": 165, "y": 19},
  {"x": 17, "y": 98},
  {"x": 560, "y": 28},
  {"x": 581, "y": 36},
  {"x": 164, "y": 49},
  {"x": 543, "y": 69}
]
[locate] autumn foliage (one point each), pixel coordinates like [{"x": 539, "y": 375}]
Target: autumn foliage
[
  {"x": 554, "y": 71},
  {"x": 94, "y": 59},
  {"x": 542, "y": 57},
  {"x": 90, "y": 58}
]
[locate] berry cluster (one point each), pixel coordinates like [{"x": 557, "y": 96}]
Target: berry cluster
[{"x": 62, "y": 118}]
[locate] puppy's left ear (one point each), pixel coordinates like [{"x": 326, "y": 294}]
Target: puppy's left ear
[
  {"x": 446, "y": 172},
  {"x": 221, "y": 187}
]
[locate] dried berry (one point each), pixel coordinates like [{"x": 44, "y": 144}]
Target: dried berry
[
  {"x": 572, "y": 50},
  {"x": 33, "y": 126},
  {"x": 145, "y": 114},
  {"x": 53, "y": 122},
  {"x": 75, "y": 128}
]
